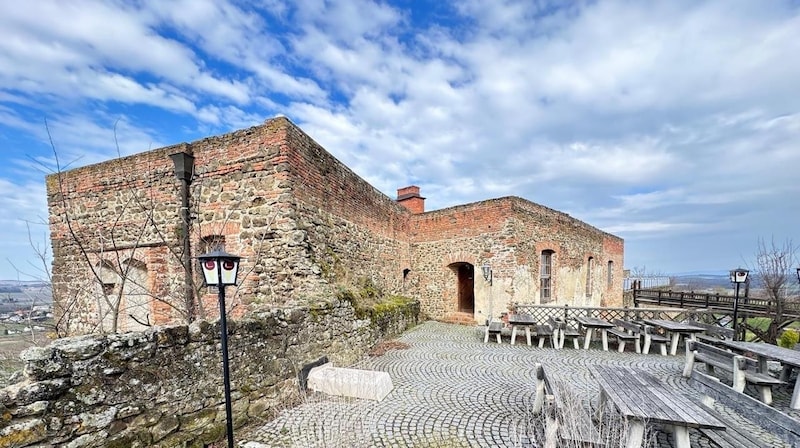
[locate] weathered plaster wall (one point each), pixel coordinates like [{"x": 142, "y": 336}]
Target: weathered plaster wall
[{"x": 163, "y": 387}]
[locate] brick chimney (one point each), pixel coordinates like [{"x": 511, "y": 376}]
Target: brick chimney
[{"x": 409, "y": 198}]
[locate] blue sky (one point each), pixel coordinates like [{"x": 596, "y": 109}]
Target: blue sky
[{"x": 673, "y": 124}]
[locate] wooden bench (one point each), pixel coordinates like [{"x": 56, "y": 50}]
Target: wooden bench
[
  {"x": 493, "y": 328},
  {"x": 565, "y": 418},
  {"x": 780, "y": 425},
  {"x": 652, "y": 337},
  {"x": 625, "y": 332},
  {"x": 562, "y": 331},
  {"x": 744, "y": 369},
  {"x": 544, "y": 332},
  {"x": 712, "y": 333}
]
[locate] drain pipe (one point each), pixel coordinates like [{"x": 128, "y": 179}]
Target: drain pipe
[{"x": 184, "y": 169}]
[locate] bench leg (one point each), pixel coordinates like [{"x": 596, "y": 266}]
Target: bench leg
[
  {"x": 635, "y": 434},
  {"x": 551, "y": 432},
  {"x": 646, "y": 348},
  {"x": 601, "y": 404},
  {"x": 604, "y": 337},
  {"x": 575, "y": 343},
  {"x": 786, "y": 372},
  {"x": 486, "y": 338},
  {"x": 663, "y": 349},
  {"x": 681, "y": 434},
  {"x": 541, "y": 341},
  {"x": 796, "y": 394},
  {"x": 673, "y": 349},
  {"x": 528, "y": 335},
  {"x": 621, "y": 347},
  {"x": 499, "y": 341},
  {"x": 513, "y": 334},
  {"x": 588, "y": 340},
  {"x": 638, "y": 345},
  {"x": 765, "y": 392}
]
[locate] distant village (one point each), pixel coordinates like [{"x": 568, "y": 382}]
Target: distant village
[{"x": 25, "y": 306}]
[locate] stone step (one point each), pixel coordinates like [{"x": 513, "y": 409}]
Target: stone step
[
  {"x": 460, "y": 318},
  {"x": 340, "y": 381}
]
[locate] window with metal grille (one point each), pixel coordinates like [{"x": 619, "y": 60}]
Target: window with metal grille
[
  {"x": 546, "y": 277},
  {"x": 589, "y": 266}
]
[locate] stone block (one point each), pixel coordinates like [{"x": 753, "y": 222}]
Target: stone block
[{"x": 366, "y": 384}]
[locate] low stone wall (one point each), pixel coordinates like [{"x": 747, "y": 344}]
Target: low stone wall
[{"x": 163, "y": 387}]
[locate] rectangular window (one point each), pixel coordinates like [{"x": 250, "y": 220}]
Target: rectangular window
[
  {"x": 589, "y": 277},
  {"x": 610, "y": 274},
  {"x": 545, "y": 286}
]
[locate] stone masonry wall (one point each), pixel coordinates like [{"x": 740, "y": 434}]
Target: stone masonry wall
[
  {"x": 351, "y": 231},
  {"x": 163, "y": 387},
  {"x": 509, "y": 234},
  {"x": 305, "y": 225}
]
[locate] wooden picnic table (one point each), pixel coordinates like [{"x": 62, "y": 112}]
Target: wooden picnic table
[
  {"x": 765, "y": 352},
  {"x": 641, "y": 399},
  {"x": 675, "y": 329},
  {"x": 525, "y": 321},
  {"x": 592, "y": 323}
]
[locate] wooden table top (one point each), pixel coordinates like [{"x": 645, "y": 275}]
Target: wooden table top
[
  {"x": 671, "y": 325},
  {"x": 593, "y": 322},
  {"x": 639, "y": 395},
  {"x": 784, "y": 355},
  {"x": 521, "y": 319}
]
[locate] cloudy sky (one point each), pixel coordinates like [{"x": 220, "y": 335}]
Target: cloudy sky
[{"x": 673, "y": 124}]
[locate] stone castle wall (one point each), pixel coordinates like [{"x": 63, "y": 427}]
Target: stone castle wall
[
  {"x": 163, "y": 387},
  {"x": 306, "y": 225},
  {"x": 509, "y": 235}
]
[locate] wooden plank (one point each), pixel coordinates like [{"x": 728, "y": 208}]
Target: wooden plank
[
  {"x": 770, "y": 419},
  {"x": 641, "y": 396}
]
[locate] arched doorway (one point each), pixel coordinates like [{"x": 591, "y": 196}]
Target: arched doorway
[{"x": 465, "y": 281}]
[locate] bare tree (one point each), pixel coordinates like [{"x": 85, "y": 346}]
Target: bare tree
[{"x": 773, "y": 270}]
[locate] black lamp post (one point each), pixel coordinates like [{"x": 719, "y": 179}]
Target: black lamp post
[
  {"x": 220, "y": 269},
  {"x": 738, "y": 276},
  {"x": 798, "y": 275}
]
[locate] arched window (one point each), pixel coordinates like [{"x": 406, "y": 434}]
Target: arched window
[
  {"x": 589, "y": 266},
  {"x": 610, "y": 274},
  {"x": 546, "y": 277}
]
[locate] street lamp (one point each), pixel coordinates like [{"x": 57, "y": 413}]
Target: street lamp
[
  {"x": 220, "y": 269},
  {"x": 798, "y": 275},
  {"x": 738, "y": 276}
]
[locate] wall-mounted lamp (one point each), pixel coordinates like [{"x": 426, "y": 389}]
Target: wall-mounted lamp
[{"x": 487, "y": 273}]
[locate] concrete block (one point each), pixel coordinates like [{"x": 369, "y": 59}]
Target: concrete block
[{"x": 340, "y": 381}]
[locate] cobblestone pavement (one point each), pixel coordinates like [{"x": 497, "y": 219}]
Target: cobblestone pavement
[{"x": 452, "y": 390}]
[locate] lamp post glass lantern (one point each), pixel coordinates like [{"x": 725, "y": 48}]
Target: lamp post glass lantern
[
  {"x": 220, "y": 269},
  {"x": 487, "y": 273},
  {"x": 738, "y": 276}
]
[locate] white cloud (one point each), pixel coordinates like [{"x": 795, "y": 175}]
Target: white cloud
[{"x": 657, "y": 120}]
